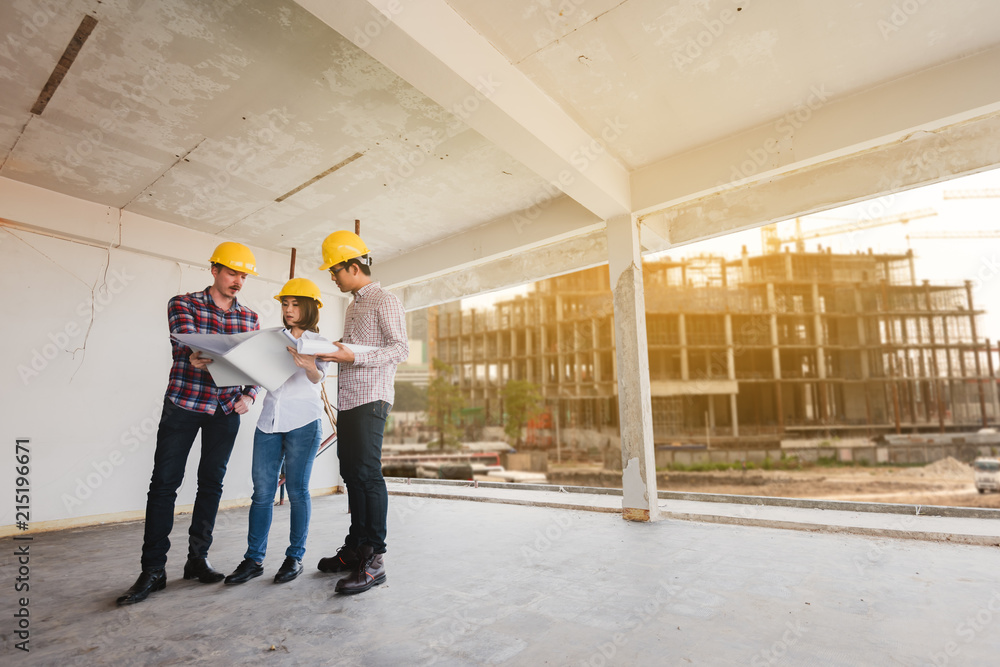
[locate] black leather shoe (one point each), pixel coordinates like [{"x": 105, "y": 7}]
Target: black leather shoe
[
  {"x": 369, "y": 572},
  {"x": 291, "y": 568},
  {"x": 148, "y": 582},
  {"x": 245, "y": 571},
  {"x": 202, "y": 570},
  {"x": 345, "y": 560}
]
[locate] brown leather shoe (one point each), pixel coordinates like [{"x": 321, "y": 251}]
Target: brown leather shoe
[
  {"x": 345, "y": 560},
  {"x": 370, "y": 572}
]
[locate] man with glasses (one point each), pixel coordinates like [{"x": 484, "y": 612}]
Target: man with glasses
[{"x": 374, "y": 318}]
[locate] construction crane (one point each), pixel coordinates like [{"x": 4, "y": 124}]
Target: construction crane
[
  {"x": 985, "y": 193},
  {"x": 772, "y": 242}
]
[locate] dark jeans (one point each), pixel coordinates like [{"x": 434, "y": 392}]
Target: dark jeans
[
  {"x": 174, "y": 437},
  {"x": 359, "y": 446}
]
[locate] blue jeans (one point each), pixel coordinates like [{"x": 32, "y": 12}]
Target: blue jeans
[
  {"x": 174, "y": 437},
  {"x": 359, "y": 446},
  {"x": 298, "y": 449}
]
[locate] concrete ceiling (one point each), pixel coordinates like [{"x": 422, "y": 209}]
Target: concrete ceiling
[{"x": 469, "y": 130}]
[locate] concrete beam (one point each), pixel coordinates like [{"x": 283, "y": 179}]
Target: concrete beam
[
  {"x": 510, "y": 235},
  {"x": 827, "y": 126},
  {"x": 435, "y": 50},
  {"x": 635, "y": 406},
  {"x": 566, "y": 256},
  {"x": 916, "y": 159},
  {"x": 42, "y": 211}
]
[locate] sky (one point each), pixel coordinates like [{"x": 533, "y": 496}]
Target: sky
[{"x": 948, "y": 261}]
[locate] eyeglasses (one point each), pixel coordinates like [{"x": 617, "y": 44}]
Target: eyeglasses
[{"x": 335, "y": 270}]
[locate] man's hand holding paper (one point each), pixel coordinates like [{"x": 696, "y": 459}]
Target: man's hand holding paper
[{"x": 343, "y": 354}]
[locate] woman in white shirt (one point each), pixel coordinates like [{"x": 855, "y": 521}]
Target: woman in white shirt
[{"x": 289, "y": 429}]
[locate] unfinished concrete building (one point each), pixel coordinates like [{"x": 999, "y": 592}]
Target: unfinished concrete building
[{"x": 790, "y": 343}]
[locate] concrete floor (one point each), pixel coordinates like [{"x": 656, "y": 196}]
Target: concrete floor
[{"x": 474, "y": 583}]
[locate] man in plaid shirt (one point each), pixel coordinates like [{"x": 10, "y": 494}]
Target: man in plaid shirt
[
  {"x": 193, "y": 402},
  {"x": 374, "y": 318}
]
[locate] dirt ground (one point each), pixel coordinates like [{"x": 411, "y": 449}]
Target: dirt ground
[{"x": 946, "y": 482}]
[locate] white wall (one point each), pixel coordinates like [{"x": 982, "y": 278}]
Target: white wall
[{"x": 85, "y": 359}]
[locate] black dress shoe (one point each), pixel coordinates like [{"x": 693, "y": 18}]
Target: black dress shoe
[
  {"x": 345, "y": 560},
  {"x": 291, "y": 568},
  {"x": 148, "y": 582},
  {"x": 245, "y": 571},
  {"x": 202, "y": 570}
]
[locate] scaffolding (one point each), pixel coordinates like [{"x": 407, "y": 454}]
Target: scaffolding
[{"x": 791, "y": 343}]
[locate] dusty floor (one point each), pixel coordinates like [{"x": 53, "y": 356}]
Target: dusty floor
[{"x": 474, "y": 583}]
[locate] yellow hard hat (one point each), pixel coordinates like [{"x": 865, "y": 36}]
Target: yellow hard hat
[
  {"x": 341, "y": 246},
  {"x": 301, "y": 287},
  {"x": 236, "y": 256}
]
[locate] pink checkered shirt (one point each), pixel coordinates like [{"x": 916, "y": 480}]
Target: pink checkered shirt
[{"x": 375, "y": 317}]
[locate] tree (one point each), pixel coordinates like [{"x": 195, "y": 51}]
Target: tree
[
  {"x": 522, "y": 400},
  {"x": 410, "y": 398},
  {"x": 444, "y": 403}
]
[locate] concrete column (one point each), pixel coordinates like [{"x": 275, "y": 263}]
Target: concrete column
[
  {"x": 949, "y": 367},
  {"x": 731, "y": 372},
  {"x": 975, "y": 352},
  {"x": 682, "y": 339},
  {"x": 938, "y": 391},
  {"x": 529, "y": 350},
  {"x": 560, "y": 347},
  {"x": 863, "y": 346},
  {"x": 595, "y": 330},
  {"x": 639, "y": 500},
  {"x": 772, "y": 308},
  {"x": 543, "y": 340},
  {"x": 820, "y": 353},
  {"x": 862, "y": 334}
]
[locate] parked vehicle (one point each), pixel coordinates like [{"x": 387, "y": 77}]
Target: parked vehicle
[{"x": 987, "y": 474}]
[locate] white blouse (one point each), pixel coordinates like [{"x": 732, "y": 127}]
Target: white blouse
[{"x": 295, "y": 403}]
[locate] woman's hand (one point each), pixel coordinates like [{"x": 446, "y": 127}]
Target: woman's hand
[{"x": 307, "y": 362}]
